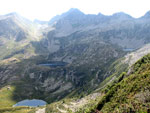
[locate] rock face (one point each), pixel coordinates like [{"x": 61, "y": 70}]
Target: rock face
[
  {"x": 89, "y": 44},
  {"x": 131, "y": 58},
  {"x": 11, "y": 27}
]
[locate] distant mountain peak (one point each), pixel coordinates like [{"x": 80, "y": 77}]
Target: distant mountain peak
[
  {"x": 147, "y": 15},
  {"x": 13, "y": 14},
  {"x": 73, "y": 11},
  {"x": 121, "y": 15},
  {"x": 100, "y": 14}
]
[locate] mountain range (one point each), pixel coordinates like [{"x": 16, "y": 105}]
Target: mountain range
[{"x": 76, "y": 62}]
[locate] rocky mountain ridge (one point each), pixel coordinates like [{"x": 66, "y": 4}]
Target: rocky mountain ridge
[{"x": 32, "y": 53}]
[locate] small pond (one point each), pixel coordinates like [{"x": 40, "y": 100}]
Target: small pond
[
  {"x": 54, "y": 64},
  {"x": 32, "y": 103},
  {"x": 128, "y": 49}
]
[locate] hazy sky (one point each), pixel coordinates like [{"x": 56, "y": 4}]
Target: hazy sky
[{"x": 46, "y": 9}]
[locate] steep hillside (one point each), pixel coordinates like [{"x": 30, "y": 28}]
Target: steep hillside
[
  {"x": 130, "y": 93},
  {"x": 114, "y": 74},
  {"x": 16, "y": 34}
]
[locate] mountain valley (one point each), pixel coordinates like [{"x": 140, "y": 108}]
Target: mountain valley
[{"x": 75, "y": 62}]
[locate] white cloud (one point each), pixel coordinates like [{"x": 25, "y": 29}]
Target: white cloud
[{"x": 46, "y": 9}]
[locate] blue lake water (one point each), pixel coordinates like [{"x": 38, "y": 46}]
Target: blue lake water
[
  {"x": 128, "y": 49},
  {"x": 32, "y": 103},
  {"x": 54, "y": 64}
]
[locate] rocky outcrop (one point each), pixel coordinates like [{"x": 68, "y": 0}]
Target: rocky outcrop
[{"x": 131, "y": 58}]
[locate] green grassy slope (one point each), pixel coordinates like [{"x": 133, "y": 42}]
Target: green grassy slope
[
  {"x": 6, "y": 96},
  {"x": 17, "y": 110},
  {"x": 7, "y": 101},
  {"x": 130, "y": 93}
]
